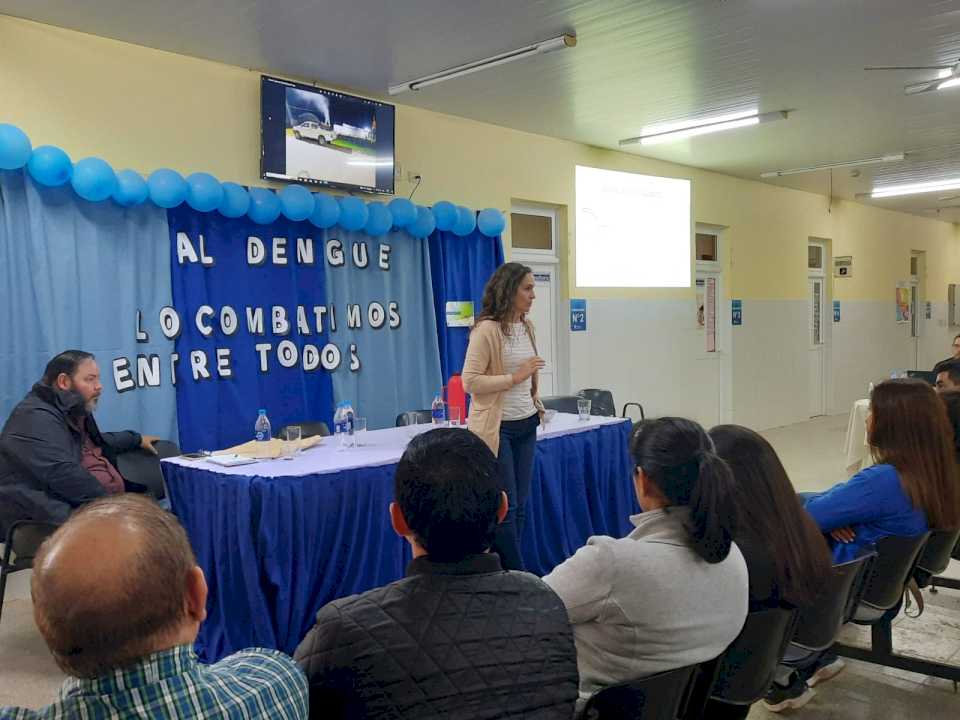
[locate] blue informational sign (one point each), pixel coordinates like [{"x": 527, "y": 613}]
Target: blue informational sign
[
  {"x": 737, "y": 308},
  {"x": 578, "y": 314},
  {"x": 836, "y": 311}
]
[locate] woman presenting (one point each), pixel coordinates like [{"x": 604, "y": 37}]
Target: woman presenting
[{"x": 500, "y": 372}]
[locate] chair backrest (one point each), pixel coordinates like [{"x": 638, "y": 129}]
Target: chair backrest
[
  {"x": 819, "y": 623},
  {"x": 747, "y": 667},
  {"x": 143, "y": 467},
  {"x": 936, "y": 554},
  {"x": 927, "y": 375},
  {"x": 896, "y": 558},
  {"x": 601, "y": 402},
  {"x": 308, "y": 428},
  {"x": 561, "y": 403},
  {"x": 24, "y": 539},
  {"x": 414, "y": 417},
  {"x": 659, "y": 697}
]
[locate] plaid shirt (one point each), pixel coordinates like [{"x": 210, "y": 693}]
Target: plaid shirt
[{"x": 172, "y": 684}]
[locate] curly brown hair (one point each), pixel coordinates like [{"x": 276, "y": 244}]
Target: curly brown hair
[{"x": 500, "y": 292}]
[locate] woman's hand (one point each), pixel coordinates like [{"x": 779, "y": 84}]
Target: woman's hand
[
  {"x": 843, "y": 534},
  {"x": 527, "y": 369}
]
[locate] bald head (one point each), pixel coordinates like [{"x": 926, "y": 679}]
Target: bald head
[{"x": 116, "y": 582}]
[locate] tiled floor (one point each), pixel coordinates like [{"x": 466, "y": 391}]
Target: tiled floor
[{"x": 811, "y": 452}]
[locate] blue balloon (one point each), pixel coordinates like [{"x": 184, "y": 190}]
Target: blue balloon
[
  {"x": 353, "y": 213},
  {"x": 425, "y": 223},
  {"x": 204, "y": 192},
  {"x": 326, "y": 211},
  {"x": 235, "y": 202},
  {"x": 296, "y": 202},
  {"x": 93, "y": 179},
  {"x": 404, "y": 212},
  {"x": 14, "y": 147},
  {"x": 264, "y": 206},
  {"x": 167, "y": 188},
  {"x": 50, "y": 166},
  {"x": 466, "y": 221},
  {"x": 445, "y": 214},
  {"x": 491, "y": 222},
  {"x": 131, "y": 189},
  {"x": 379, "y": 220}
]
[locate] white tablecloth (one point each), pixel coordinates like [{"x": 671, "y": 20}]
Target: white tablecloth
[
  {"x": 381, "y": 447},
  {"x": 855, "y": 447}
]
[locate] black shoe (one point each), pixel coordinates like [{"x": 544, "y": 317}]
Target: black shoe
[{"x": 794, "y": 696}]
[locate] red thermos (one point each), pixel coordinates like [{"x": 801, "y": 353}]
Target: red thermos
[{"x": 456, "y": 397}]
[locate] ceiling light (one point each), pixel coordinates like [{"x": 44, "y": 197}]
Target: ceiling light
[
  {"x": 915, "y": 188},
  {"x": 558, "y": 43},
  {"x": 668, "y": 132},
  {"x": 895, "y": 157},
  {"x": 944, "y": 73},
  {"x": 952, "y": 82}
]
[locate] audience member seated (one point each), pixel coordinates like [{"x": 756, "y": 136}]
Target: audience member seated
[
  {"x": 956, "y": 353},
  {"x": 787, "y": 557},
  {"x": 948, "y": 375},
  {"x": 118, "y": 598},
  {"x": 951, "y": 400},
  {"x": 674, "y": 591},
  {"x": 459, "y": 637},
  {"x": 53, "y": 457}
]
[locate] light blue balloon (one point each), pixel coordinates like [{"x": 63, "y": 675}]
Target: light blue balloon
[
  {"x": 264, "y": 206},
  {"x": 379, "y": 220},
  {"x": 404, "y": 212},
  {"x": 445, "y": 214},
  {"x": 204, "y": 192},
  {"x": 131, "y": 189},
  {"x": 50, "y": 166},
  {"x": 167, "y": 188},
  {"x": 14, "y": 147},
  {"x": 93, "y": 179},
  {"x": 466, "y": 221},
  {"x": 425, "y": 223},
  {"x": 296, "y": 202},
  {"x": 235, "y": 202},
  {"x": 353, "y": 213},
  {"x": 326, "y": 211},
  {"x": 491, "y": 222}
]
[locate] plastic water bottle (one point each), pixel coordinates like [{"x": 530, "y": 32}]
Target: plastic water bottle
[
  {"x": 437, "y": 410},
  {"x": 343, "y": 424},
  {"x": 262, "y": 427}
]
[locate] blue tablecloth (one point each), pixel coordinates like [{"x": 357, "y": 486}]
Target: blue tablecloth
[{"x": 276, "y": 549}]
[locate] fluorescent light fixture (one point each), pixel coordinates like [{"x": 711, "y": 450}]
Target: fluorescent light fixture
[
  {"x": 946, "y": 84},
  {"x": 558, "y": 43},
  {"x": 945, "y": 73},
  {"x": 915, "y": 188},
  {"x": 895, "y": 157},
  {"x": 668, "y": 132}
]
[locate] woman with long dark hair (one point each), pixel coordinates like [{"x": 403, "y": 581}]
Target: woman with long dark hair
[
  {"x": 500, "y": 372},
  {"x": 674, "y": 591}
]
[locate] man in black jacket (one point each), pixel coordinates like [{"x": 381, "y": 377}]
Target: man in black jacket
[
  {"x": 53, "y": 457},
  {"x": 459, "y": 637}
]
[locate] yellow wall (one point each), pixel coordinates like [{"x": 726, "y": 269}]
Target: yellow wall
[{"x": 146, "y": 109}]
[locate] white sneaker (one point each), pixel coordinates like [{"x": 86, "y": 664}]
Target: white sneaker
[{"x": 826, "y": 672}]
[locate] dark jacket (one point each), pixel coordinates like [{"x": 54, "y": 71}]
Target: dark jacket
[
  {"x": 41, "y": 477},
  {"x": 463, "y": 640}
]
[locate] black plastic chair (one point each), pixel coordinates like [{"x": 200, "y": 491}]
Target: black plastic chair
[
  {"x": 938, "y": 581},
  {"x": 561, "y": 403},
  {"x": 926, "y": 375},
  {"x": 601, "y": 402},
  {"x": 883, "y": 589},
  {"x": 663, "y": 696},
  {"x": 20, "y": 547},
  {"x": 414, "y": 417},
  {"x": 935, "y": 556},
  {"x": 745, "y": 671},
  {"x": 143, "y": 467},
  {"x": 310, "y": 428}
]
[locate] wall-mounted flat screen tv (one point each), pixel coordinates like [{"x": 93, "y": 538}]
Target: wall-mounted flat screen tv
[{"x": 322, "y": 137}]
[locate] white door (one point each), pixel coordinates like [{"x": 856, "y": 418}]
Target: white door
[
  {"x": 816, "y": 354},
  {"x": 544, "y": 318}
]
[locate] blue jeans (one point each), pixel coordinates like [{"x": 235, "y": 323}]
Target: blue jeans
[{"x": 518, "y": 444}]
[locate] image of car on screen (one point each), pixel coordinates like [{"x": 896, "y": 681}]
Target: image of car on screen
[{"x": 311, "y": 130}]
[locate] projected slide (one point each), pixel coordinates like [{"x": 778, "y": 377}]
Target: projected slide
[{"x": 632, "y": 230}]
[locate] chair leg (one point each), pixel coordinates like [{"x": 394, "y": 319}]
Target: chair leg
[
  {"x": 3, "y": 587},
  {"x": 938, "y": 581}
]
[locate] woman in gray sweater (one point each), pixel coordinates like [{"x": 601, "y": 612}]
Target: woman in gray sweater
[{"x": 674, "y": 591}]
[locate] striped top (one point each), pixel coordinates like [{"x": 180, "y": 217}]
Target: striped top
[
  {"x": 172, "y": 684},
  {"x": 517, "y": 349}
]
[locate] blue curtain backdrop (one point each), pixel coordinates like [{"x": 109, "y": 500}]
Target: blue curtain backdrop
[
  {"x": 459, "y": 268},
  {"x": 400, "y": 368},
  {"x": 221, "y": 411},
  {"x": 72, "y": 275}
]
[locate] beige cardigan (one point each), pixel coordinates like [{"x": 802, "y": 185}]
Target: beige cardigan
[{"x": 486, "y": 380}]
